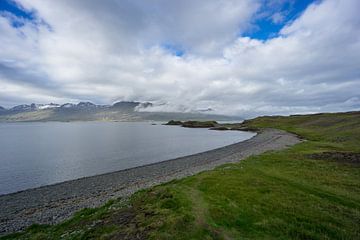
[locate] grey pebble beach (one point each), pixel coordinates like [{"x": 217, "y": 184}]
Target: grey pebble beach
[{"x": 54, "y": 203}]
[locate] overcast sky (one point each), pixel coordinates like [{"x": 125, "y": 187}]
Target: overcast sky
[{"x": 236, "y": 57}]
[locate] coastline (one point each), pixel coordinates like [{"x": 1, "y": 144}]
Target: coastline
[{"x": 55, "y": 203}]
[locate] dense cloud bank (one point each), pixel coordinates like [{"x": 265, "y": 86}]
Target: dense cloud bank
[{"x": 181, "y": 55}]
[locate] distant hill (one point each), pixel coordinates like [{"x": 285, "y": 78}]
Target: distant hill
[{"x": 87, "y": 111}]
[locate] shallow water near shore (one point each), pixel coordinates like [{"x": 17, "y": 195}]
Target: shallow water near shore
[{"x": 38, "y": 154}]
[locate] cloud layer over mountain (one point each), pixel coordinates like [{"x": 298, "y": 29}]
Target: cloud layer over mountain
[{"x": 184, "y": 55}]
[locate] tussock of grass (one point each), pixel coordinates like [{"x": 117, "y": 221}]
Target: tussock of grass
[{"x": 277, "y": 195}]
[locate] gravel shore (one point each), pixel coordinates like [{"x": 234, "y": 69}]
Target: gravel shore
[{"x": 54, "y": 203}]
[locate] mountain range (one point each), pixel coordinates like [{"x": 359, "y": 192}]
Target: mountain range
[{"x": 87, "y": 111}]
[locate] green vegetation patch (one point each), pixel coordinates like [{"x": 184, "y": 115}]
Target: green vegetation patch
[
  {"x": 304, "y": 192},
  {"x": 193, "y": 124},
  {"x": 199, "y": 124},
  {"x": 174, "y": 122}
]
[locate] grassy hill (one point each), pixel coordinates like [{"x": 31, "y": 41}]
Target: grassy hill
[{"x": 310, "y": 191}]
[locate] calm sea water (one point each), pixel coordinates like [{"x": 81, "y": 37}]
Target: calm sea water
[{"x": 37, "y": 154}]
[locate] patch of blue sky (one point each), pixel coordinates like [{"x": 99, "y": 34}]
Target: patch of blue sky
[
  {"x": 173, "y": 49},
  {"x": 18, "y": 16},
  {"x": 267, "y": 27},
  {"x": 10, "y": 8}
]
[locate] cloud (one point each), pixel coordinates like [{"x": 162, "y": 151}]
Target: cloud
[
  {"x": 278, "y": 17},
  {"x": 126, "y": 50}
]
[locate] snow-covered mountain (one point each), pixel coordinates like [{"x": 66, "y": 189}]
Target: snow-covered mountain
[
  {"x": 32, "y": 107},
  {"x": 22, "y": 108},
  {"x": 47, "y": 106},
  {"x": 88, "y": 111},
  {"x": 68, "y": 105},
  {"x": 86, "y": 105}
]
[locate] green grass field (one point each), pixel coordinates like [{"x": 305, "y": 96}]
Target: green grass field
[{"x": 309, "y": 191}]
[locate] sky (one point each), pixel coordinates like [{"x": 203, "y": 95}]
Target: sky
[{"x": 235, "y": 57}]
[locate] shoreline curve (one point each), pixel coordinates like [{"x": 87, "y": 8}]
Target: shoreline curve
[{"x": 54, "y": 203}]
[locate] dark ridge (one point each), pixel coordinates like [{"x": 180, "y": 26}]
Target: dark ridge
[
  {"x": 68, "y": 105},
  {"x": 194, "y": 124},
  {"x": 126, "y": 105},
  {"x": 85, "y": 104},
  {"x": 146, "y": 104},
  {"x": 173, "y": 122}
]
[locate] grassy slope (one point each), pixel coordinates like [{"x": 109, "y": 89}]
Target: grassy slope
[{"x": 277, "y": 195}]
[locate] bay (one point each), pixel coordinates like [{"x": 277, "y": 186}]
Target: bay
[{"x": 38, "y": 154}]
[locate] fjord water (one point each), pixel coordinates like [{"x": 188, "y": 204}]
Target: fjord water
[{"x": 37, "y": 154}]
